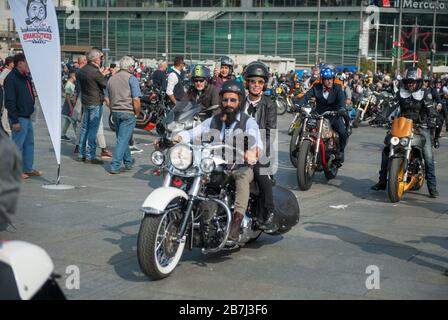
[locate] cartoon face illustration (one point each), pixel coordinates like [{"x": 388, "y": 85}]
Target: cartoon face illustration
[{"x": 37, "y": 12}]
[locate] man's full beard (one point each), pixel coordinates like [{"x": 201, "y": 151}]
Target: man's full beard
[{"x": 228, "y": 115}]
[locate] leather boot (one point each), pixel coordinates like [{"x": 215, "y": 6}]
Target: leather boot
[
  {"x": 269, "y": 224},
  {"x": 235, "y": 226},
  {"x": 381, "y": 185}
]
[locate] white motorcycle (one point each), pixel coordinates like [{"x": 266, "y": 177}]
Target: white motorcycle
[{"x": 194, "y": 206}]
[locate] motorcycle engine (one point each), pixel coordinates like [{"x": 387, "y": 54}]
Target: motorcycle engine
[{"x": 326, "y": 130}]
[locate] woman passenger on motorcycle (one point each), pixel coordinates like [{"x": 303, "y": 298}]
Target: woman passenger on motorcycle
[
  {"x": 202, "y": 92},
  {"x": 416, "y": 105},
  {"x": 224, "y": 73},
  {"x": 264, "y": 111}
]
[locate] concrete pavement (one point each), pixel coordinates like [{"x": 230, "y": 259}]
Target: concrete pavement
[{"x": 95, "y": 228}]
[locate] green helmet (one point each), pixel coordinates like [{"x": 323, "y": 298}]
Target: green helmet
[{"x": 200, "y": 71}]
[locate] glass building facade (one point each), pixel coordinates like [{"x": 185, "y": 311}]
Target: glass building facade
[{"x": 207, "y": 29}]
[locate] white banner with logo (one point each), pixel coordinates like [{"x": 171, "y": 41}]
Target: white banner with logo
[{"x": 37, "y": 26}]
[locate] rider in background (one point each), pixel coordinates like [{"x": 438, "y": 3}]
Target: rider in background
[
  {"x": 416, "y": 105},
  {"x": 201, "y": 91},
  {"x": 224, "y": 73},
  {"x": 330, "y": 97}
]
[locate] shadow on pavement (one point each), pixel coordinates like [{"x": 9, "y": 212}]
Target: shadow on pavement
[
  {"x": 125, "y": 262},
  {"x": 377, "y": 245},
  {"x": 440, "y": 241}
]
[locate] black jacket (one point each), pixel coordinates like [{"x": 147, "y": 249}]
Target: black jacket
[
  {"x": 266, "y": 117},
  {"x": 335, "y": 101},
  {"x": 19, "y": 96},
  {"x": 160, "y": 79},
  {"x": 93, "y": 84},
  {"x": 209, "y": 97}
]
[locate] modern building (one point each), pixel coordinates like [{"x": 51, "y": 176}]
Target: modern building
[{"x": 207, "y": 29}]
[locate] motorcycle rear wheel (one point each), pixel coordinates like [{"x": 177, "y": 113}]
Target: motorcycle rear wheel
[
  {"x": 158, "y": 252},
  {"x": 281, "y": 106},
  {"x": 304, "y": 178},
  {"x": 331, "y": 173},
  {"x": 395, "y": 185}
]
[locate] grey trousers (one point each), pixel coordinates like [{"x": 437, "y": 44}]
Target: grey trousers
[{"x": 243, "y": 177}]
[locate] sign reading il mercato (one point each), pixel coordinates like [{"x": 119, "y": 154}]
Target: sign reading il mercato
[{"x": 429, "y": 5}]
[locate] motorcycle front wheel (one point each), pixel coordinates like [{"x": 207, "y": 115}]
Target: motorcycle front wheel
[
  {"x": 158, "y": 250},
  {"x": 396, "y": 184},
  {"x": 281, "y": 106},
  {"x": 305, "y": 173}
]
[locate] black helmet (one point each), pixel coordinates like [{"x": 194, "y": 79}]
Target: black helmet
[
  {"x": 227, "y": 61},
  {"x": 235, "y": 87},
  {"x": 256, "y": 69},
  {"x": 413, "y": 74}
]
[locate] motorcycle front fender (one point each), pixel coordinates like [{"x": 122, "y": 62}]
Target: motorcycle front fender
[{"x": 158, "y": 200}]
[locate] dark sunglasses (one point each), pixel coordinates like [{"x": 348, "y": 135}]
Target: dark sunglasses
[
  {"x": 230, "y": 100},
  {"x": 261, "y": 82},
  {"x": 199, "y": 80}
]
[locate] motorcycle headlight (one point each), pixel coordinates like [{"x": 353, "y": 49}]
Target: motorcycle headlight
[
  {"x": 207, "y": 165},
  {"x": 157, "y": 158},
  {"x": 181, "y": 157},
  {"x": 175, "y": 126},
  {"x": 404, "y": 142},
  {"x": 394, "y": 141},
  {"x": 279, "y": 90}
]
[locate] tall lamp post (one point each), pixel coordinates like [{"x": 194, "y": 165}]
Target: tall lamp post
[
  {"x": 433, "y": 45},
  {"x": 106, "y": 53},
  {"x": 399, "y": 38},
  {"x": 317, "y": 33}
]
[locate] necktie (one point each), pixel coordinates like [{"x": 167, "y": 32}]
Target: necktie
[{"x": 251, "y": 110}]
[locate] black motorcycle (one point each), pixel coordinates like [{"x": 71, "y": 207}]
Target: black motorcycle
[{"x": 153, "y": 110}]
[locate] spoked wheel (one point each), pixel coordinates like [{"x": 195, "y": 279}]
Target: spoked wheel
[
  {"x": 305, "y": 170},
  {"x": 396, "y": 184},
  {"x": 158, "y": 249},
  {"x": 281, "y": 106}
]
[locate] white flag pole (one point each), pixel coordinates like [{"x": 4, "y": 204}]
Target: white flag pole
[{"x": 37, "y": 26}]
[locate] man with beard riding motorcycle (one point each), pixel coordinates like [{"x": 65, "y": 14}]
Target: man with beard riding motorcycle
[
  {"x": 228, "y": 124},
  {"x": 330, "y": 97},
  {"x": 264, "y": 111},
  {"x": 202, "y": 91},
  {"x": 416, "y": 105}
]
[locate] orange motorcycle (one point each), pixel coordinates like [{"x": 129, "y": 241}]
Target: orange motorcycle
[{"x": 406, "y": 162}]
